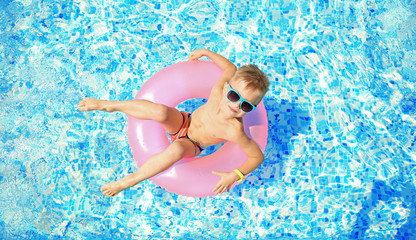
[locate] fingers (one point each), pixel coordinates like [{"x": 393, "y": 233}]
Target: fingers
[
  {"x": 216, "y": 189},
  {"x": 192, "y": 56},
  {"x": 223, "y": 185},
  {"x": 195, "y": 55},
  {"x": 220, "y": 189}
]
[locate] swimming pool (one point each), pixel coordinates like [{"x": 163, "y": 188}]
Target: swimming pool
[{"x": 341, "y": 154}]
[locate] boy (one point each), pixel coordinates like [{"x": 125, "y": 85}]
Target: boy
[{"x": 236, "y": 93}]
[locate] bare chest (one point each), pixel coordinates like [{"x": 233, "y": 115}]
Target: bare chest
[{"x": 206, "y": 130}]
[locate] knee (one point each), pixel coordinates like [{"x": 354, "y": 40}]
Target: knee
[
  {"x": 176, "y": 151},
  {"x": 160, "y": 113}
]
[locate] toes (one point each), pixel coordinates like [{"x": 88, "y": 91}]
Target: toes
[
  {"x": 108, "y": 193},
  {"x": 81, "y": 105},
  {"x": 89, "y": 104}
]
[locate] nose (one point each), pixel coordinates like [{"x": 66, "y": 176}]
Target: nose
[{"x": 236, "y": 105}]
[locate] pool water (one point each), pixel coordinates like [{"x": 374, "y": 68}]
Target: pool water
[{"x": 341, "y": 154}]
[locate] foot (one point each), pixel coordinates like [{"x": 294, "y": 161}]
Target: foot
[
  {"x": 112, "y": 189},
  {"x": 90, "y": 104}
]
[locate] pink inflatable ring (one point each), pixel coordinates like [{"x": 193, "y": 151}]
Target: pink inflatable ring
[{"x": 190, "y": 176}]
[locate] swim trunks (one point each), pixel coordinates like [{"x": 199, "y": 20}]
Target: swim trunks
[{"x": 183, "y": 132}]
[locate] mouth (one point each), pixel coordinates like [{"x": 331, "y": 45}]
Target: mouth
[{"x": 232, "y": 109}]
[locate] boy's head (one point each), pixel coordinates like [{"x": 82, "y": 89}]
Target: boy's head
[
  {"x": 253, "y": 77},
  {"x": 250, "y": 84}
]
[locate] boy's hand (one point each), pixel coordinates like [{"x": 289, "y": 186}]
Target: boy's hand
[
  {"x": 227, "y": 179},
  {"x": 196, "y": 54}
]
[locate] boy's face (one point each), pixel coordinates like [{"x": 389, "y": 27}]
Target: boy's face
[{"x": 232, "y": 109}]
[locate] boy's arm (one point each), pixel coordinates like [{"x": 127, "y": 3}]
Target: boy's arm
[
  {"x": 255, "y": 159},
  {"x": 228, "y": 67},
  {"x": 221, "y": 61}
]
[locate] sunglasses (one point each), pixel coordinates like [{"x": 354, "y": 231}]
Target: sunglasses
[{"x": 245, "y": 105}]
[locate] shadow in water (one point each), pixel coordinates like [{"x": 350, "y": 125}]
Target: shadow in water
[
  {"x": 382, "y": 192},
  {"x": 286, "y": 121}
]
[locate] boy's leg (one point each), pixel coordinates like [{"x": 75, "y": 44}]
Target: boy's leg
[
  {"x": 156, "y": 164},
  {"x": 170, "y": 118}
]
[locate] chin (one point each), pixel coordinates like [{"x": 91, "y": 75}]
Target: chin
[{"x": 237, "y": 114}]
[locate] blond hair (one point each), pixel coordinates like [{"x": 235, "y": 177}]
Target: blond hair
[{"x": 253, "y": 77}]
